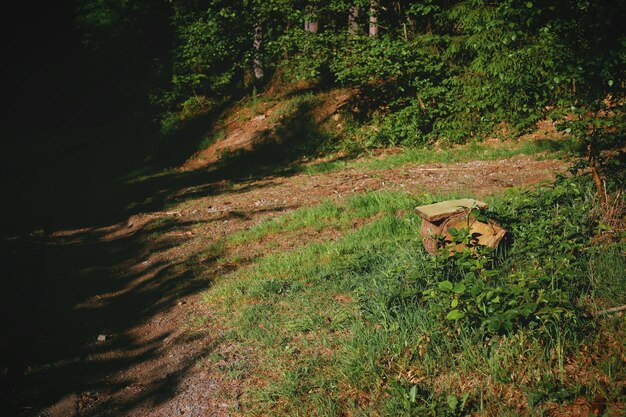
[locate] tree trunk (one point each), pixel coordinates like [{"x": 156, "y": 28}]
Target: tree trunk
[
  {"x": 353, "y": 24},
  {"x": 374, "y": 18},
  {"x": 310, "y": 22},
  {"x": 311, "y": 26},
  {"x": 257, "y": 63},
  {"x": 595, "y": 174}
]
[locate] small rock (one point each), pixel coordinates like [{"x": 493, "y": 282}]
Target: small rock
[{"x": 102, "y": 338}]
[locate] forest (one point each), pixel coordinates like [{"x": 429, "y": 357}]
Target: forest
[
  {"x": 211, "y": 208},
  {"x": 429, "y": 70}
]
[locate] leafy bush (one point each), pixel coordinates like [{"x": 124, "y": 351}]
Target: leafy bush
[
  {"x": 438, "y": 70},
  {"x": 534, "y": 281}
]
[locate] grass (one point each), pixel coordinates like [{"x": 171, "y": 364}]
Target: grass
[
  {"x": 211, "y": 138},
  {"x": 471, "y": 152},
  {"x": 324, "y": 215},
  {"x": 332, "y": 214},
  {"x": 337, "y": 328}
]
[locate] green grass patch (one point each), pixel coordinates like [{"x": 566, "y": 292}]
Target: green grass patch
[
  {"x": 332, "y": 214},
  {"x": 363, "y": 326},
  {"x": 324, "y": 215},
  {"x": 471, "y": 152}
]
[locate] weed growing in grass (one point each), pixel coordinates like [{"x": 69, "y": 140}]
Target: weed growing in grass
[{"x": 363, "y": 325}]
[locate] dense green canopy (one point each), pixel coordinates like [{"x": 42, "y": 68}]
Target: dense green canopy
[{"x": 443, "y": 69}]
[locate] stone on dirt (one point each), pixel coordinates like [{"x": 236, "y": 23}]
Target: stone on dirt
[
  {"x": 439, "y": 218},
  {"x": 445, "y": 209}
]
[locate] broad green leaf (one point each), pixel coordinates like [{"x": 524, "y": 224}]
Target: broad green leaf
[
  {"x": 455, "y": 315},
  {"x": 452, "y": 401},
  {"x": 459, "y": 288},
  {"x": 445, "y": 285}
]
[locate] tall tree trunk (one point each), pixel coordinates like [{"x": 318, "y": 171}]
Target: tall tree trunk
[
  {"x": 353, "y": 24},
  {"x": 257, "y": 63},
  {"x": 374, "y": 18},
  {"x": 310, "y": 21},
  {"x": 311, "y": 26}
]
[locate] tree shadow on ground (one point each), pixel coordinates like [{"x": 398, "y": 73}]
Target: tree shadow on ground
[
  {"x": 107, "y": 276},
  {"x": 79, "y": 197},
  {"x": 59, "y": 294}
]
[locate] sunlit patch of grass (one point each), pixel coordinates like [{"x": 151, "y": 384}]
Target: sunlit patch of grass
[
  {"x": 323, "y": 215},
  {"x": 330, "y": 214},
  {"x": 300, "y": 306},
  {"x": 341, "y": 327},
  {"x": 470, "y": 152},
  {"x": 324, "y": 167}
]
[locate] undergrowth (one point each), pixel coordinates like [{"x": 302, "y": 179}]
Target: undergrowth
[{"x": 373, "y": 325}]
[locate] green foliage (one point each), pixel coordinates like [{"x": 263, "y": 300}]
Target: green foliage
[
  {"x": 439, "y": 70},
  {"x": 533, "y": 283},
  {"x": 208, "y": 51}
]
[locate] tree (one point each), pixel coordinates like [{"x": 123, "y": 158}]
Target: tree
[
  {"x": 373, "y": 22},
  {"x": 257, "y": 62},
  {"x": 311, "y": 23},
  {"x": 353, "y": 23}
]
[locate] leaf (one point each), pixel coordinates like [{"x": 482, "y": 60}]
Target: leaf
[
  {"x": 459, "y": 288},
  {"x": 528, "y": 308},
  {"x": 455, "y": 315},
  {"x": 445, "y": 285},
  {"x": 493, "y": 325},
  {"x": 454, "y": 303},
  {"x": 452, "y": 401},
  {"x": 413, "y": 394},
  {"x": 549, "y": 310},
  {"x": 464, "y": 400},
  {"x": 610, "y": 83},
  {"x": 508, "y": 325}
]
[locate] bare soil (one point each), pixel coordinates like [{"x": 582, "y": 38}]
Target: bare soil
[{"x": 245, "y": 130}]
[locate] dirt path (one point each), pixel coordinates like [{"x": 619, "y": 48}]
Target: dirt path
[{"x": 138, "y": 284}]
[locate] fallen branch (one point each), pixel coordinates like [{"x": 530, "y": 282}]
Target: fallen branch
[{"x": 611, "y": 310}]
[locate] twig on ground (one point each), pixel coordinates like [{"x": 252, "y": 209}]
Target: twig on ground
[{"x": 611, "y": 310}]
